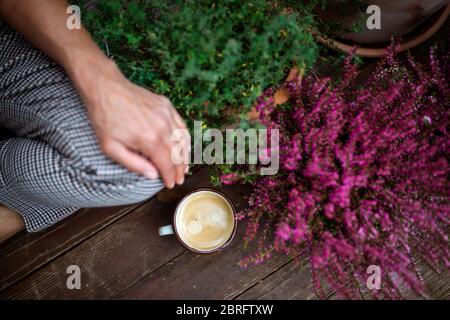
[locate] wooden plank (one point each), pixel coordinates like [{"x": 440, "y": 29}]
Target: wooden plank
[
  {"x": 292, "y": 281},
  {"x": 28, "y": 252},
  {"x": 436, "y": 285},
  {"x": 114, "y": 258},
  {"x": 202, "y": 277}
]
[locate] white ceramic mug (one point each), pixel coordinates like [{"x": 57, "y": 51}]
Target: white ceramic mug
[{"x": 172, "y": 228}]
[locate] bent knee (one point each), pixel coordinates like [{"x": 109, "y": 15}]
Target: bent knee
[
  {"x": 120, "y": 186},
  {"x": 109, "y": 183}
]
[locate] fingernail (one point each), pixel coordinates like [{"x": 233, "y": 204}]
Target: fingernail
[
  {"x": 180, "y": 181},
  {"x": 151, "y": 174},
  {"x": 171, "y": 185},
  {"x": 186, "y": 170}
]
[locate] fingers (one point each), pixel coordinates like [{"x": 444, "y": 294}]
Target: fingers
[
  {"x": 177, "y": 154},
  {"x": 186, "y": 139},
  {"x": 174, "y": 139},
  {"x": 178, "y": 120},
  {"x": 159, "y": 154},
  {"x": 159, "y": 145},
  {"x": 129, "y": 159}
]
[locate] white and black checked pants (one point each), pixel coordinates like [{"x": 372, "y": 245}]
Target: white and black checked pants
[{"x": 53, "y": 165}]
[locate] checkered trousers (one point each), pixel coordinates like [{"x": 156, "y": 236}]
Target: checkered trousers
[{"x": 53, "y": 164}]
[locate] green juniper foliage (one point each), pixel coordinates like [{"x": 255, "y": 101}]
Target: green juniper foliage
[{"x": 211, "y": 58}]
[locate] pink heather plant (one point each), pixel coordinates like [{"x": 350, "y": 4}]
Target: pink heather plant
[{"x": 363, "y": 177}]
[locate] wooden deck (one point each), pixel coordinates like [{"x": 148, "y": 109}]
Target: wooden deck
[{"x": 121, "y": 256}]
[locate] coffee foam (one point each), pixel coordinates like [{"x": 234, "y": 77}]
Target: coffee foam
[{"x": 205, "y": 220}]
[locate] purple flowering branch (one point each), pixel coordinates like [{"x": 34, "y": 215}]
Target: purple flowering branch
[{"x": 363, "y": 177}]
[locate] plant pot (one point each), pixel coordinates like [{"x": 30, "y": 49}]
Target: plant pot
[{"x": 413, "y": 21}]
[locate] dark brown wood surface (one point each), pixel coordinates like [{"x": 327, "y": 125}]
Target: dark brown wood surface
[{"x": 28, "y": 252}]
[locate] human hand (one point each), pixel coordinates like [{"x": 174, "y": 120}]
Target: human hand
[{"x": 134, "y": 126}]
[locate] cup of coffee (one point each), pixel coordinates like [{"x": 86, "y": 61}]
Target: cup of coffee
[{"x": 204, "y": 221}]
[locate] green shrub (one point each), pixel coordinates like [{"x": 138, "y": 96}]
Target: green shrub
[{"x": 211, "y": 58}]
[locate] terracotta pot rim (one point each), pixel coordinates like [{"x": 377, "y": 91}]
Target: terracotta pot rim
[{"x": 369, "y": 52}]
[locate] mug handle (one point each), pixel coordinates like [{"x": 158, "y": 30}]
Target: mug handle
[{"x": 166, "y": 230}]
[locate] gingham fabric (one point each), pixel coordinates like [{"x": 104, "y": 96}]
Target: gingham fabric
[{"x": 53, "y": 165}]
